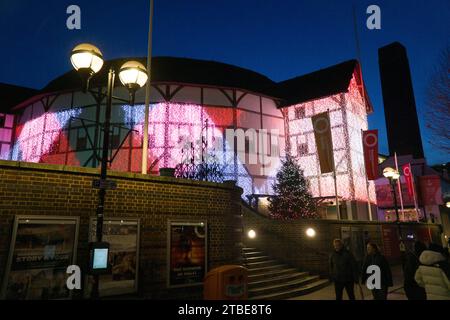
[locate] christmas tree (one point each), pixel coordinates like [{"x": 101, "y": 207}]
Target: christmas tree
[{"x": 292, "y": 198}]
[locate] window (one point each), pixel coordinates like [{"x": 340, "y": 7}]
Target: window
[
  {"x": 302, "y": 149},
  {"x": 299, "y": 113},
  {"x": 115, "y": 141},
  {"x": 81, "y": 139},
  {"x": 2, "y": 121}
]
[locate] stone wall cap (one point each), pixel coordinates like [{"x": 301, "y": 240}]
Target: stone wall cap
[{"x": 111, "y": 174}]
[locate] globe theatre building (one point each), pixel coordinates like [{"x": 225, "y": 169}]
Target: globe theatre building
[{"x": 191, "y": 100}]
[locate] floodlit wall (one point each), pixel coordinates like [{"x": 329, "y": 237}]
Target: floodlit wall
[
  {"x": 6, "y": 134},
  {"x": 348, "y": 118},
  {"x": 62, "y": 129}
]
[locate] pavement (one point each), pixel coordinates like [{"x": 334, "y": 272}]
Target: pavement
[{"x": 395, "y": 293}]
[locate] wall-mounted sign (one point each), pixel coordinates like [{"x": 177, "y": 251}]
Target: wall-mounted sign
[
  {"x": 42, "y": 247},
  {"x": 391, "y": 242},
  {"x": 430, "y": 187},
  {"x": 187, "y": 253},
  {"x": 122, "y": 235}
]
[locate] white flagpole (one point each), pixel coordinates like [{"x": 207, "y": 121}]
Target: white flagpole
[
  {"x": 147, "y": 93},
  {"x": 358, "y": 52},
  {"x": 414, "y": 193},
  {"x": 399, "y": 187}
]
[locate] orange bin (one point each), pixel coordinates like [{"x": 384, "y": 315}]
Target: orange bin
[{"x": 228, "y": 282}]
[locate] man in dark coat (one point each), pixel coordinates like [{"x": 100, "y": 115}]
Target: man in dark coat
[
  {"x": 343, "y": 270},
  {"x": 374, "y": 257},
  {"x": 412, "y": 289}
]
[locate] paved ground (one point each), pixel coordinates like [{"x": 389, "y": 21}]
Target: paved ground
[{"x": 395, "y": 293}]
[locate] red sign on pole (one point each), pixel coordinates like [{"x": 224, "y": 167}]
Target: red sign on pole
[
  {"x": 406, "y": 168},
  {"x": 370, "y": 144}
]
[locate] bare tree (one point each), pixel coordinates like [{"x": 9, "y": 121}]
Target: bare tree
[{"x": 438, "y": 102}]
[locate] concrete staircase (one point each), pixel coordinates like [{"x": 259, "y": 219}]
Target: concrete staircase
[{"x": 272, "y": 280}]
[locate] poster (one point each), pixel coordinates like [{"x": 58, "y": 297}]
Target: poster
[
  {"x": 187, "y": 254},
  {"x": 430, "y": 187},
  {"x": 391, "y": 241},
  {"x": 41, "y": 250},
  {"x": 385, "y": 198},
  {"x": 123, "y": 238}
]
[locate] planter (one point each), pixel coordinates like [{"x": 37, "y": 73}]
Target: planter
[{"x": 167, "y": 172}]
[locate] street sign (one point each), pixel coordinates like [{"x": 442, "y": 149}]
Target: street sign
[{"x": 104, "y": 184}]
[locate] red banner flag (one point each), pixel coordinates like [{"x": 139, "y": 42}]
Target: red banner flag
[
  {"x": 324, "y": 142},
  {"x": 370, "y": 144},
  {"x": 406, "y": 168},
  {"x": 430, "y": 189}
]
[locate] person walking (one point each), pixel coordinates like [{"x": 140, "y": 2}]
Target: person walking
[
  {"x": 412, "y": 289},
  {"x": 434, "y": 273},
  {"x": 374, "y": 257},
  {"x": 343, "y": 270}
]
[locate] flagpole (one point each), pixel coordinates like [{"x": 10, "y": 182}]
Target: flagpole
[
  {"x": 363, "y": 94},
  {"x": 414, "y": 194},
  {"x": 399, "y": 187},
  {"x": 147, "y": 93}
]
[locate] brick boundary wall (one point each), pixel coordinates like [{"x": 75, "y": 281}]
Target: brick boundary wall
[
  {"x": 287, "y": 240},
  {"x": 41, "y": 189}
]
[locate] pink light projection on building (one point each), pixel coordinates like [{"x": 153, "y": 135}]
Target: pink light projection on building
[
  {"x": 348, "y": 117},
  {"x": 172, "y": 124},
  {"x": 36, "y": 137}
]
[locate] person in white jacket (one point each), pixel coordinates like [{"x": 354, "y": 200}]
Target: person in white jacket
[{"x": 433, "y": 275}]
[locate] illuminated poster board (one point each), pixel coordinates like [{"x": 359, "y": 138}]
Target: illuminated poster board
[
  {"x": 123, "y": 238},
  {"x": 187, "y": 253},
  {"x": 42, "y": 247}
]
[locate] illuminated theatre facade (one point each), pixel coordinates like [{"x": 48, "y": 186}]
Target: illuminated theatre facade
[{"x": 191, "y": 99}]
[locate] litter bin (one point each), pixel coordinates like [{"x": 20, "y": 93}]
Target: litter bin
[{"x": 226, "y": 283}]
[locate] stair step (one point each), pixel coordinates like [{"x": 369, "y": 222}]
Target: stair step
[
  {"x": 316, "y": 285},
  {"x": 251, "y": 259},
  {"x": 283, "y": 286},
  {"x": 268, "y": 268},
  {"x": 253, "y": 253},
  {"x": 246, "y": 249},
  {"x": 252, "y": 265},
  {"x": 271, "y": 273},
  {"x": 276, "y": 278}
]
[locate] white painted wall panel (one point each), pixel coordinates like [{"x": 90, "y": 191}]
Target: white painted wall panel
[
  {"x": 249, "y": 102},
  {"x": 215, "y": 97},
  {"x": 187, "y": 95},
  {"x": 269, "y": 107}
]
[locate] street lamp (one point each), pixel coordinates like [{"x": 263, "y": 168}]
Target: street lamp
[
  {"x": 133, "y": 76},
  {"x": 392, "y": 175},
  {"x": 88, "y": 60}
]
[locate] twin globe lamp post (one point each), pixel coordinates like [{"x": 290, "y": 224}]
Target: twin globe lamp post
[{"x": 88, "y": 60}]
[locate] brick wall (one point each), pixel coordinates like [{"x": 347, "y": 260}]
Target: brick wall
[
  {"x": 287, "y": 240},
  {"x": 37, "y": 189}
]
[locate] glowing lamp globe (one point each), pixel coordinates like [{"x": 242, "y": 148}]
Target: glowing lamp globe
[
  {"x": 391, "y": 173},
  {"x": 251, "y": 234},
  {"x": 133, "y": 75},
  {"x": 86, "y": 57},
  {"x": 310, "y": 232}
]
